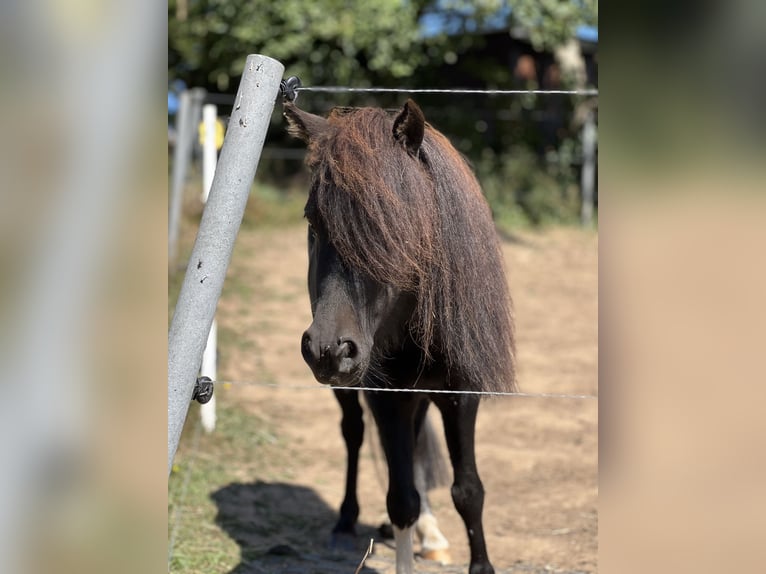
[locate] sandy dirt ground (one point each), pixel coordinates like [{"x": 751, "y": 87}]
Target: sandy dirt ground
[{"x": 537, "y": 457}]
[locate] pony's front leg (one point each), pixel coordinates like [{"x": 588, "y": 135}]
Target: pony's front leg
[
  {"x": 395, "y": 417},
  {"x": 352, "y": 428},
  {"x": 459, "y": 414}
]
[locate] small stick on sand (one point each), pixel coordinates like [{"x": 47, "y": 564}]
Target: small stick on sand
[{"x": 366, "y": 554}]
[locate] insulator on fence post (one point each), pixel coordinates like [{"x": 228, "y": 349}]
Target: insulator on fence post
[
  {"x": 289, "y": 88},
  {"x": 203, "y": 390},
  {"x": 221, "y": 218}
]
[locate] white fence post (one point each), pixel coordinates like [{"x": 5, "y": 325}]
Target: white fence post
[
  {"x": 209, "y": 368},
  {"x": 209, "y": 149},
  {"x": 253, "y": 105},
  {"x": 209, "y": 357},
  {"x": 588, "y": 168}
]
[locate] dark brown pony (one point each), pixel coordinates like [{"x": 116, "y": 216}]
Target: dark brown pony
[{"x": 407, "y": 291}]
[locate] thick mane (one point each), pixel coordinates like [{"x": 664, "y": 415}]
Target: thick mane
[{"x": 419, "y": 223}]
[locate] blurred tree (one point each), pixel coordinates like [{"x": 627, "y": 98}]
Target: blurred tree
[
  {"x": 363, "y": 42},
  {"x": 527, "y": 140},
  {"x": 530, "y": 142},
  {"x": 552, "y": 25},
  {"x": 324, "y": 42}
]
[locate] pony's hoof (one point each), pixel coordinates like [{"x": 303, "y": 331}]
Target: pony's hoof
[
  {"x": 344, "y": 541},
  {"x": 440, "y": 555}
]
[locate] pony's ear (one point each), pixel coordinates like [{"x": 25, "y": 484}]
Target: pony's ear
[
  {"x": 302, "y": 125},
  {"x": 409, "y": 127}
]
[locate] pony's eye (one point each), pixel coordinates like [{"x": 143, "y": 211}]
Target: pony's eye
[{"x": 312, "y": 234}]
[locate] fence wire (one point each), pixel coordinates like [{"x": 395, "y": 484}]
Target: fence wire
[
  {"x": 228, "y": 99},
  {"x": 345, "y": 89},
  {"x": 319, "y": 387}
]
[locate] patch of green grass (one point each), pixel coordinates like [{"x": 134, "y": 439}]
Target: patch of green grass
[
  {"x": 230, "y": 338},
  {"x": 239, "y": 285},
  {"x": 270, "y": 206},
  {"x": 201, "y": 545},
  {"x": 509, "y": 218}
]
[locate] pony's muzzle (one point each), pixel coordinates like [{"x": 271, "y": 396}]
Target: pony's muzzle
[{"x": 330, "y": 359}]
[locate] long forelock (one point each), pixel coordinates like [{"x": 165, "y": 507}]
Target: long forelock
[{"x": 373, "y": 199}]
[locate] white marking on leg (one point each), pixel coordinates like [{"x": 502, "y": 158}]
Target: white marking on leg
[
  {"x": 433, "y": 544},
  {"x": 431, "y": 537},
  {"x": 405, "y": 563}
]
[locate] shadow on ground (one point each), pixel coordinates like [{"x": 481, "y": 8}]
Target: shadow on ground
[{"x": 285, "y": 528}]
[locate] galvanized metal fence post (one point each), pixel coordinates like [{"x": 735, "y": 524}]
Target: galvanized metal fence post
[
  {"x": 197, "y": 100},
  {"x": 588, "y": 168},
  {"x": 181, "y": 156},
  {"x": 189, "y": 115},
  {"x": 254, "y": 103}
]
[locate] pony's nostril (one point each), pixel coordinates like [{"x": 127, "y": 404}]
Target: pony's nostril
[
  {"x": 306, "y": 344},
  {"x": 348, "y": 348}
]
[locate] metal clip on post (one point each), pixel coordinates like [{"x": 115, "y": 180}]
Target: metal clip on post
[
  {"x": 203, "y": 390},
  {"x": 289, "y": 88}
]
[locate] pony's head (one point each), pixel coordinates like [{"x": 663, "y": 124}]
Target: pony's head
[
  {"x": 362, "y": 279},
  {"x": 402, "y": 250}
]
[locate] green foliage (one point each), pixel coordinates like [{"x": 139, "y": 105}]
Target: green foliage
[
  {"x": 551, "y": 23},
  {"x": 522, "y": 190},
  {"x": 324, "y": 42},
  {"x": 337, "y": 42}
]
